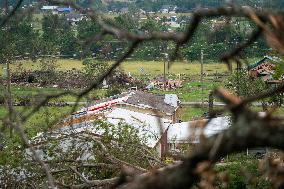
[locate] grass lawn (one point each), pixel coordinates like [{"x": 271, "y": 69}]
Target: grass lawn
[
  {"x": 192, "y": 91},
  {"x": 43, "y": 120},
  {"x": 33, "y": 93},
  {"x": 189, "y": 113},
  {"x": 157, "y": 68},
  {"x": 62, "y": 65}
]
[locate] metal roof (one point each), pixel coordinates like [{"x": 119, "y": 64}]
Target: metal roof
[{"x": 265, "y": 59}]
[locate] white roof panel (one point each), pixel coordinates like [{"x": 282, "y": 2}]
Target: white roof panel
[
  {"x": 190, "y": 131},
  {"x": 147, "y": 125}
]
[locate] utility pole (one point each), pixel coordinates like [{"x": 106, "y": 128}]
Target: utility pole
[
  {"x": 165, "y": 75},
  {"x": 8, "y": 94},
  {"x": 166, "y": 64},
  {"x": 165, "y": 48},
  {"x": 8, "y": 80},
  {"x": 211, "y": 102},
  {"x": 201, "y": 77}
]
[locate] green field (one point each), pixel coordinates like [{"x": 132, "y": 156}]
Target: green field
[
  {"x": 43, "y": 120},
  {"x": 189, "y": 113},
  {"x": 135, "y": 67},
  {"x": 20, "y": 94},
  {"x": 157, "y": 68},
  {"x": 61, "y": 64},
  {"x": 192, "y": 91}
]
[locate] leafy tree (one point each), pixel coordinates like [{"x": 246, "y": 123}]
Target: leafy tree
[
  {"x": 113, "y": 91},
  {"x": 58, "y": 35},
  {"x": 87, "y": 29},
  {"x": 18, "y": 39},
  {"x": 93, "y": 68},
  {"x": 244, "y": 86},
  {"x": 127, "y": 22},
  {"x": 279, "y": 70},
  {"x": 48, "y": 69}
]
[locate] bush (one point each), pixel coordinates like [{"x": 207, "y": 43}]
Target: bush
[
  {"x": 23, "y": 100},
  {"x": 112, "y": 92},
  {"x": 238, "y": 174},
  {"x": 93, "y": 68},
  {"x": 48, "y": 69}
]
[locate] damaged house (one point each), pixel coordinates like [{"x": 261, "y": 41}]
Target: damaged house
[
  {"x": 163, "y": 105},
  {"x": 264, "y": 68},
  {"x": 152, "y": 115}
]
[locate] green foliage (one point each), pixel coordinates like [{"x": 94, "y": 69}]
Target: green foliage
[
  {"x": 113, "y": 91},
  {"x": 86, "y": 29},
  {"x": 123, "y": 142},
  {"x": 279, "y": 70},
  {"x": 120, "y": 141},
  {"x": 218, "y": 36},
  {"x": 93, "y": 68},
  {"x": 127, "y": 22},
  {"x": 18, "y": 38},
  {"x": 48, "y": 71},
  {"x": 238, "y": 168},
  {"x": 244, "y": 86},
  {"x": 58, "y": 36}
]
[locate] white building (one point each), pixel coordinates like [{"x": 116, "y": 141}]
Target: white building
[
  {"x": 50, "y": 9},
  {"x": 151, "y": 115}
]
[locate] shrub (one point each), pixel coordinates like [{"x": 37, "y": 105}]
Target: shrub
[
  {"x": 93, "y": 68},
  {"x": 23, "y": 100},
  {"x": 113, "y": 91},
  {"x": 238, "y": 174}
]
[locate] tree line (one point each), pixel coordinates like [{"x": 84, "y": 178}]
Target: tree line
[{"x": 53, "y": 35}]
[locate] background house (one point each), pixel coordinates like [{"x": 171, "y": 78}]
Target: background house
[
  {"x": 74, "y": 18},
  {"x": 64, "y": 10},
  {"x": 263, "y": 68},
  {"x": 49, "y": 9},
  {"x": 124, "y": 10},
  {"x": 168, "y": 9}
]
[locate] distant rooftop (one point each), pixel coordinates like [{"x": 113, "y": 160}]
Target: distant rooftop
[
  {"x": 263, "y": 60},
  {"x": 161, "y": 102},
  {"x": 49, "y": 7}
]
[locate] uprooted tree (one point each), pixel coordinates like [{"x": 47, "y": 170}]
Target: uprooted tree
[{"x": 248, "y": 129}]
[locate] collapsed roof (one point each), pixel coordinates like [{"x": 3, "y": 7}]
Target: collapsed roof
[{"x": 166, "y": 103}]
